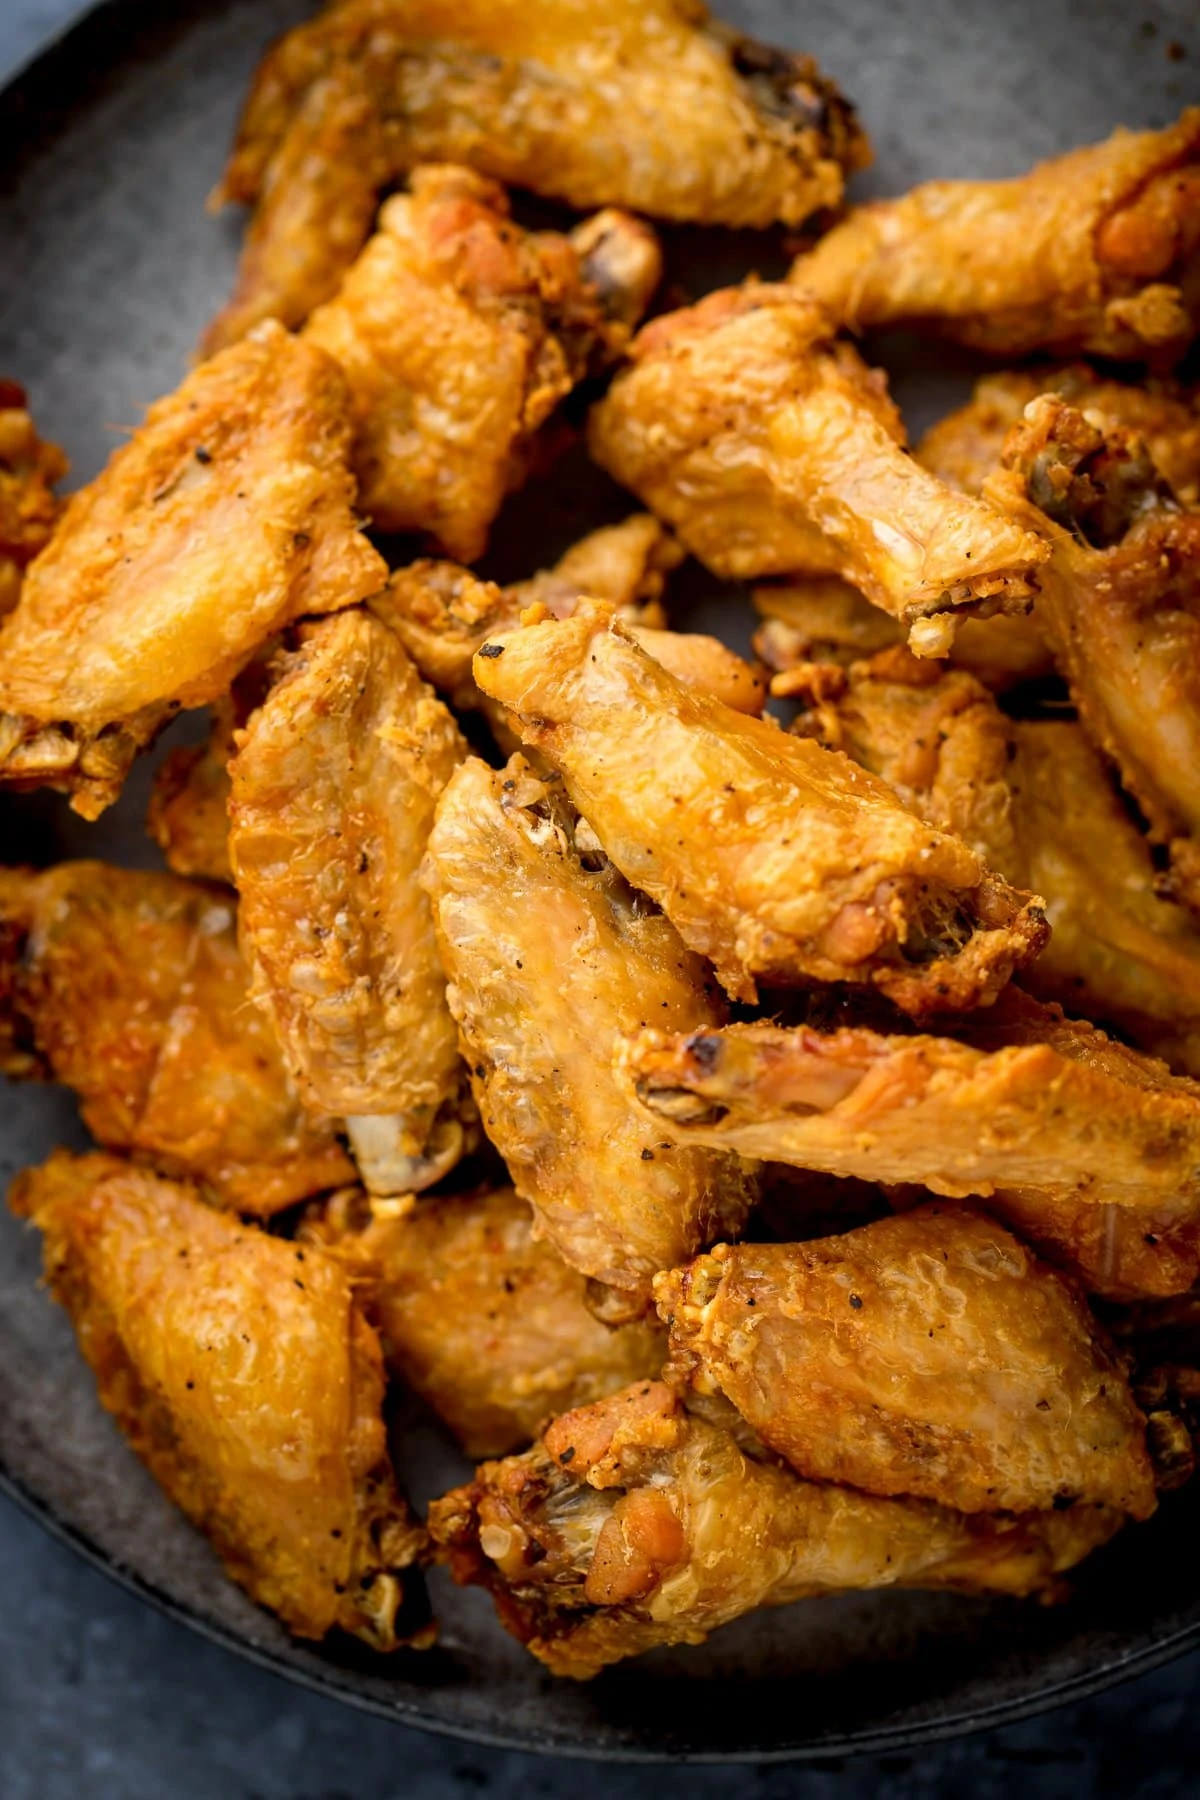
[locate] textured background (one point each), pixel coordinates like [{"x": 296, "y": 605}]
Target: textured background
[{"x": 101, "y": 1697}]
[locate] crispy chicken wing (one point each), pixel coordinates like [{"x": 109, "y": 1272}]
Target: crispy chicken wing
[
  {"x": 29, "y": 507},
  {"x": 245, "y": 1377},
  {"x": 458, "y": 334},
  {"x": 632, "y": 1525},
  {"x": 773, "y": 450},
  {"x": 927, "y": 1354},
  {"x": 1120, "y": 608},
  {"x": 777, "y": 860},
  {"x": 1096, "y": 252},
  {"x": 334, "y": 786},
  {"x": 227, "y": 515},
  {"x": 487, "y": 1323},
  {"x": 1089, "y": 1148},
  {"x": 1035, "y": 799},
  {"x": 648, "y": 105},
  {"x": 128, "y": 987},
  {"x": 549, "y": 957}
]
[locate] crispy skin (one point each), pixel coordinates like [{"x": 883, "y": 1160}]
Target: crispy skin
[
  {"x": 334, "y": 787},
  {"x": 1120, "y": 608},
  {"x": 1095, "y": 253},
  {"x": 775, "y": 859},
  {"x": 1088, "y": 1148},
  {"x": 633, "y": 1525},
  {"x": 652, "y": 108},
  {"x": 1036, "y": 800},
  {"x": 458, "y": 334},
  {"x": 773, "y": 450},
  {"x": 188, "y": 815},
  {"x": 488, "y": 1324},
  {"x": 926, "y": 1354},
  {"x": 29, "y": 507},
  {"x": 227, "y": 515},
  {"x": 128, "y": 987},
  {"x": 246, "y": 1379},
  {"x": 549, "y": 957}
]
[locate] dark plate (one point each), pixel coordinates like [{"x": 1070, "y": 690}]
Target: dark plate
[{"x": 111, "y": 142}]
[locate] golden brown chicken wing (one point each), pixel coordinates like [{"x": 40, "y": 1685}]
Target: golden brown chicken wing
[
  {"x": 927, "y": 1354},
  {"x": 245, "y": 1377},
  {"x": 483, "y": 1320},
  {"x": 334, "y": 787},
  {"x": 773, "y": 450},
  {"x": 549, "y": 957},
  {"x": 1120, "y": 608},
  {"x": 1036, "y": 800},
  {"x": 29, "y": 507},
  {"x": 1088, "y": 1148},
  {"x": 632, "y": 1525},
  {"x": 227, "y": 515},
  {"x": 128, "y": 987},
  {"x": 1096, "y": 252},
  {"x": 775, "y": 859},
  {"x": 458, "y": 334},
  {"x": 650, "y": 106}
]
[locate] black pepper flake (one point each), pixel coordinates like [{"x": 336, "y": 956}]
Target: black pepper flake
[
  {"x": 203, "y": 455},
  {"x": 490, "y": 650},
  {"x": 856, "y": 1303},
  {"x": 647, "y": 1156},
  {"x": 298, "y": 1282},
  {"x": 568, "y": 1455}
]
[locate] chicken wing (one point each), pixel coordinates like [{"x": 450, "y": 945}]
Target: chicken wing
[
  {"x": 773, "y": 450},
  {"x": 927, "y": 1354},
  {"x": 29, "y": 507},
  {"x": 651, "y": 107},
  {"x": 458, "y": 334},
  {"x": 776, "y": 859},
  {"x": 1095, "y": 253},
  {"x": 549, "y": 957},
  {"x": 1035, "y": 799},
  {"x": 480, "y": 1318},
  {"x": 334, "y": 786},
  {"x": 188, "y": 815},
  {"x": 128, "y": 987},
  {"x": 1086, "y": 1147},
  {"x": 1120, "y": 608},
  {"x": 245, "y": 1377},
  {"x": 632, "y": 1525},
  {"x": 227, "y": 515}
]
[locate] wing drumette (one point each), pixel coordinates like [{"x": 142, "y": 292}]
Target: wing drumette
[
  {"x": 650, "y": 107},
  {"x": 458, "y": 333},
  {"x": 927, "y": 1354},
  {"x": 632, "y": 1525},
  {"x": 29, "y": 507},
  {"x": 245, "y": 1377},
  {"x": 773, "y": 450},
  {"x": 549, "y": 957},
  {"x": 479, "y": 1317},
  {"x": 775, "y": 859},
  {"x": 1096, "y": 252},
  {"x": 226, "y": 516},
  {"x": 129, "y": 987},
  {"x": 1090, "y": 1149},
  {"x": 334, "y": 787}
]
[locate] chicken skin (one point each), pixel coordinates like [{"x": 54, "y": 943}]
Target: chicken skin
[
  {"x": 549, "y": 958},
  {"x": 650, "y": 107},
  {"x": 188, "y": 815},
  {"x": 1095, "y": 253},
  {"x": 1087, "y": 1148},
  {"x": 773, "y": 450},
  {"x": 227, "y": 515},
  {"x": 29, "y": 507},
  {"x": 632, "y": 1525},
  {"x": 777, "y": 860},
  {"x": 483, "y": 1320},
  {"x": 1036, "y": 799},
  {"x": 333, "y": 791},
  {"x": 926, "y": 1354},
  {"x": 128, "y": 987},
  {"x": 245, "y": 1377},
  {"x": 458, "y": 334}
]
